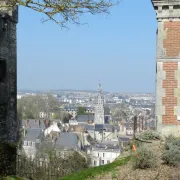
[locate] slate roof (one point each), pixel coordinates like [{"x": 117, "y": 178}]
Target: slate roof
[
  {"x": 35, "y": 124},
  {"x": 67, "y": 141},
  {"x": 90, "y": 127},
  {"x": 124, "y": 139},
  {"x": 107, "y": 146},
  {"x": 85, "y": 118},
  {"x": 33, "y": 134},
  {"x": 106, "y": 127}
]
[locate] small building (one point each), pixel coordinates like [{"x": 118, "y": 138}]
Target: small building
[
  {"x": 85, "y": 118},
  {"x": 104, "y": 153},
  {"x": 31, "y": 142},
  {"x": 44, "y": 115}
]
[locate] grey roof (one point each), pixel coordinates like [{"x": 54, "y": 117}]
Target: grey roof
[
  {"x": 67, "y": 141},
  {"x": 106, "y": 127},
  {"x": 33, "y": 134},
  {"x": 124, "y": 139},
  {"x": 35, "y": 124},
  {"x": 83, "y": 125},
  {"x": 106, "y": 146},
  {"x": 89, "y": 127},
  {"x": 85, "y": 118}
]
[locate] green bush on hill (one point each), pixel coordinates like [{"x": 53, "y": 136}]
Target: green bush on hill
[
  {"x": 171, "y": 155},
  {"x": 93, "y": 171},
  {"x": 144, "y": 159},
  {"x": 149, "y": 135}
]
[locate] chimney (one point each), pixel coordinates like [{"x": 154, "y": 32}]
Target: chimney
[
  {"x": 122, "y": 125},
  {"x": 27, "y": 123},
  {"x": 47, "y": 122},
  {"x": 24, "y": 130}
]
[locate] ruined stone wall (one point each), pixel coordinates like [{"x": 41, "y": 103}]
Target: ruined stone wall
[
  {"x": 168, "y": 66},
  {"x": 8, "y": 78}
]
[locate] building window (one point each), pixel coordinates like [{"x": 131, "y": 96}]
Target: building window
[
  {"x": 108, "y": 161},
  {"x": 2, "y": 70},
  {"x": 102, "y": 162},
  {"x": 25, "y": 143},
  {"x": 94, "y": 163},
  {"x": 103, "y": 154},
  {"x": 98, "y": 154},
  {"x": 29, "y": 143}
]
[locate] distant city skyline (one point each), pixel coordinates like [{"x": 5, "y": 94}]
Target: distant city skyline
[
  {"x": 83, "y": 90},
  {"x": 118, "y": 50}
]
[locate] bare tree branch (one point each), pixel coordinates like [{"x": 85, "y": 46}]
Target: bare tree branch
[{"x": 63, "y": 11}]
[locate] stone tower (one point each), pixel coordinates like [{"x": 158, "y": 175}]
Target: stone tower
[
  {"x": 99, "y": 107},
  {"x": 168, "y": 66},
  {"x": 9, "y": 126}
]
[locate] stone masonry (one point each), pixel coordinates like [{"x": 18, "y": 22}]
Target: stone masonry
[
  {"x": 168, "y": 66},
  {"x": 8, "y": 81}
]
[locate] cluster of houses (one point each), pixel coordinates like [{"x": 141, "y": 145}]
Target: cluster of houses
[{"x": 87, "y": 134}]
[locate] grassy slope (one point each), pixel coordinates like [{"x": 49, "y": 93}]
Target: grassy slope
[
  {"x": 91, "y": 172},
  {"x": 12, "y": 178}
]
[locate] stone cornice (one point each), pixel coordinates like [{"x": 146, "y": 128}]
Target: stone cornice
[
  {"x": 165, "y": 2},
  {"x": 10, "y": 14},
  {"x": 168, "y": 60},
  {"x": 167, "y": 9}
]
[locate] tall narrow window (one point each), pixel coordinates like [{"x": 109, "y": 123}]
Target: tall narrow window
[{"x": 2, "y": 70}]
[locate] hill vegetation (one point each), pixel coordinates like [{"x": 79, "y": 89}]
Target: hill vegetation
[{"x": 149, "y": 157}]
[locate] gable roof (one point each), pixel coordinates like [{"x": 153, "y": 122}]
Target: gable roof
[
  {"x": 67, "y": 141},
  {"x": 33, "y": 134}
]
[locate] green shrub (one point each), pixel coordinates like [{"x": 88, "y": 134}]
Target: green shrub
[
  {"x": 136, "y": 143},
  {"x": 146, "y": 159},
  {"x": 171, "y": 155},
  {"x": 149, "y": 135},
  {"x": 171, "y": 141}
]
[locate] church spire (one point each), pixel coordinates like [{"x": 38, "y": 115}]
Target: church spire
[
  {"x": 99, "y": 107},
  {"x": 100, "y": 87}
]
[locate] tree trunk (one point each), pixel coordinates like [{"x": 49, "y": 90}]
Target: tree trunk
[{"x": 9, "y": 126}]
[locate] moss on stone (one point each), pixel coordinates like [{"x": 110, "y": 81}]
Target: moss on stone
[{"x": 8, "y": 152}]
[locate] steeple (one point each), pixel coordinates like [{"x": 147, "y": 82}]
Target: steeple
[
  {"x": 100, "y": 88},
  {"x": 99, "y": 107}
]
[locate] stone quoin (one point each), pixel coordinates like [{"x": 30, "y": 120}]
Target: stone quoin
[{"x": 168, "y": 66}]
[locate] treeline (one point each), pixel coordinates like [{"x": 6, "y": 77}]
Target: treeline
[
  {"x": 57, "y": 167},
  {"x": 29, "y": 107}
]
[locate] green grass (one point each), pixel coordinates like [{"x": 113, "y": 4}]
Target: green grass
[
  {"x": 94, "y": 171},
  {"x": 13, "y": 178}
]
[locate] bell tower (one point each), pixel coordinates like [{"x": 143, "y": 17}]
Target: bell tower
[
  {"x": 99, "y": 107},
  {"x": 168, "y": 66},
  {"x": 9, "y": 126}
]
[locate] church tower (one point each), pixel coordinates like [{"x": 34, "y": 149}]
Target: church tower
[
  {"x": 168, "y": 66},
  {"x": 99, "y": 107}
]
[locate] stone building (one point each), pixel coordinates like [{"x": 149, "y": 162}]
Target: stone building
[
  {"x": 104, "y": 153},
  {"x": 99, "y": 107},
  {"x": 168, "y": 66}
]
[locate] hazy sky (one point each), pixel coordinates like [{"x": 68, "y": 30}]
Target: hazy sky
[{"x": 118, "y": 50}]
